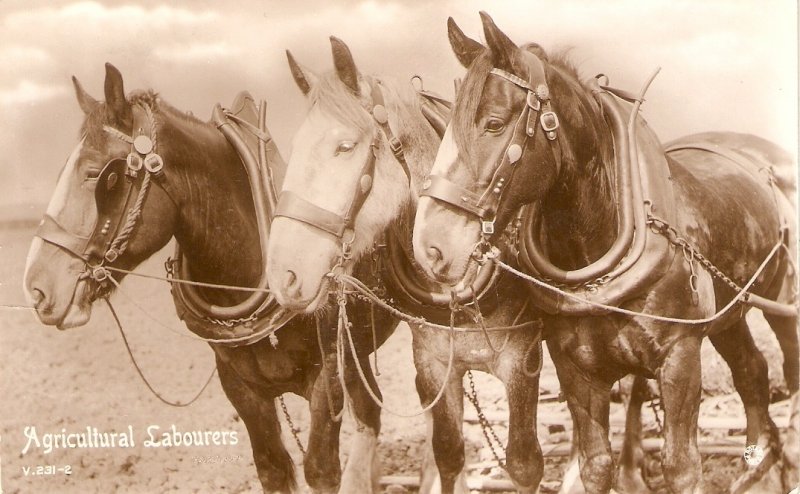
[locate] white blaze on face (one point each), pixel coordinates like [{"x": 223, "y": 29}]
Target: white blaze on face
[
  {"x": 447, "y": 156},
  {"x": 54, "y": 208}
]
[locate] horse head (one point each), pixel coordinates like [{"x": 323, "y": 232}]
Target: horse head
[
  {"x": 344, "y": 184},
  {"x": 517, "y": 120},
  {"x": 88, "y": 211}
]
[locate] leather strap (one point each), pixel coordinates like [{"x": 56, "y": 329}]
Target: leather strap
[
  {"x": 291, "y": 205},
  {"x": 52, "y": 232},
  {"x": 381, "y": 116},
  {"x": 537, "y": 107},
  {"x": 441, "y": 188}
]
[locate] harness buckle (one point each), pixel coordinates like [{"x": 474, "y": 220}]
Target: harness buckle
[
  {"x": 154, "y": 164},
  {"x": 111, "y": 255},
  {"x": 396, "y": 146},
  {"x": 100, "y": 274},
  {"x": 487, "y": 227},
  {"x": 549, "y": 121},
  {"x": 134, "y": 162}
]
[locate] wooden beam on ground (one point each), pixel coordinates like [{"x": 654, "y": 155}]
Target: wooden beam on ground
[{"x": 473, "y": 483}]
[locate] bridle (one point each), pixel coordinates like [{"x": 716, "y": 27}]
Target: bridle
[
  {"x": 341, "y": 227},
  {"x": 119, "y": 211},
  {"x": 485, "y": 203},
  {"x": 114, "y": 189},
  {"x": 293, "y": 206}
]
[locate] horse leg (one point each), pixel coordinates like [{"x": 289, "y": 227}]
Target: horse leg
[
  {"x": 447, "y": 418},
  {"x": 321, "y": 465},
  {"x": 680, "y": 383},
  {"x": 749, "y": 370},
  {"x": 429, "y": 473},
  {"x": 631, "y": 458},
  {"x": 362, "y": 471},
  {"x": 785, "y": 329},
  {"x": 588, "y": 399},
  {"x": 524, "y": 460},
  {"x": 571, "y": 481},
  {"x": 273, "y": 463}
]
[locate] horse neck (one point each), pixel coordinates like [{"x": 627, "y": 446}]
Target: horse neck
[
  {"x": 579, "y": 213},
  {"x": 217, "y": 229}
]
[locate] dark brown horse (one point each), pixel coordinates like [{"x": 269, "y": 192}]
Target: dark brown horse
[
  {"x": 615, "y": 231},
  {"x": 358, "y": 162},
  {"x": 203, "y": 198}
]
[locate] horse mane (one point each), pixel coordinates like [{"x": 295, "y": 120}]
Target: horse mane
[{"x": 92, "y": 128}]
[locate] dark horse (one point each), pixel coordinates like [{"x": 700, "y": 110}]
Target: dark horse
[
  {"x": 201, "y": 196},
  {"x": 613, "y": 231},
  {"x": 358, "y": 161}
]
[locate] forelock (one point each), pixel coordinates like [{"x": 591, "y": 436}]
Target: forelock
[{"x": 335, "y": 99}]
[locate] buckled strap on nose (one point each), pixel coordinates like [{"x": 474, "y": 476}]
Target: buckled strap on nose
[
  {"x": 291, "y": 205},
  {"x": 52, "y": 232},
  {"x": 441, "y": 188}
]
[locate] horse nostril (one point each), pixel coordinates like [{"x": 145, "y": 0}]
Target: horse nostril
[
  {"x": 37, "y": 297},
  {"x": 434, "y": 255},
  {"x": 291, "y": 284}
]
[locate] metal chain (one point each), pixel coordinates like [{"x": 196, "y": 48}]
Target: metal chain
[
  {"x": 663, "y": 228},
  {"x": 486, "y": 427},
  {"x": 656, "y": 406},
  {"x": 294, "y": 430}
]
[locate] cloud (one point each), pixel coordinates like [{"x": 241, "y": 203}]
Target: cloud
[
  {"x": 20, "y": 57},
  {"x": 27, "y": 92},
  {"x": 196, "y": 52},
  {"x": 88, "y": 13}
]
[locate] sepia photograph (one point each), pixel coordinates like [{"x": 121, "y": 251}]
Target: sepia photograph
[{"x": 365, "y": 246}]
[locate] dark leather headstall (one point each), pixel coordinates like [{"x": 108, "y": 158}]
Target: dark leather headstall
[
  {"x": 485, "y": 203},
  {"x": 113, "y": 196},
  {"x": 293, "y": 206}
]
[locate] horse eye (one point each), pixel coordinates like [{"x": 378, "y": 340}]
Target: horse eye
[
  {"x": 494, "y": 125},
  {"x": 345, "y": 147},
  {"x": 92, "y": 174}
]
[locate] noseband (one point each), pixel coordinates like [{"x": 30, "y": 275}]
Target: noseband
[
  {"x": 291, "y": 205},
  {"x": 486, "y": 203}
]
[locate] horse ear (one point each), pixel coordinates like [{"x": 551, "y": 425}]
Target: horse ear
[
  {"x": 304, "y": 78},
  {"x": 86, "y": 102},
  {"x": 500, "y": 45},
  {"x": 465, "y": 48},
  {"x": 344, "y": 64},
  {"x": 116, "y": 104}
]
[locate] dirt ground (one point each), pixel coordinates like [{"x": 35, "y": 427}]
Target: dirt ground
[{"x": 68, "y": 381}]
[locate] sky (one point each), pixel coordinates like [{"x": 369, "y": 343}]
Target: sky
[{"x": 725, "y": 65}]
